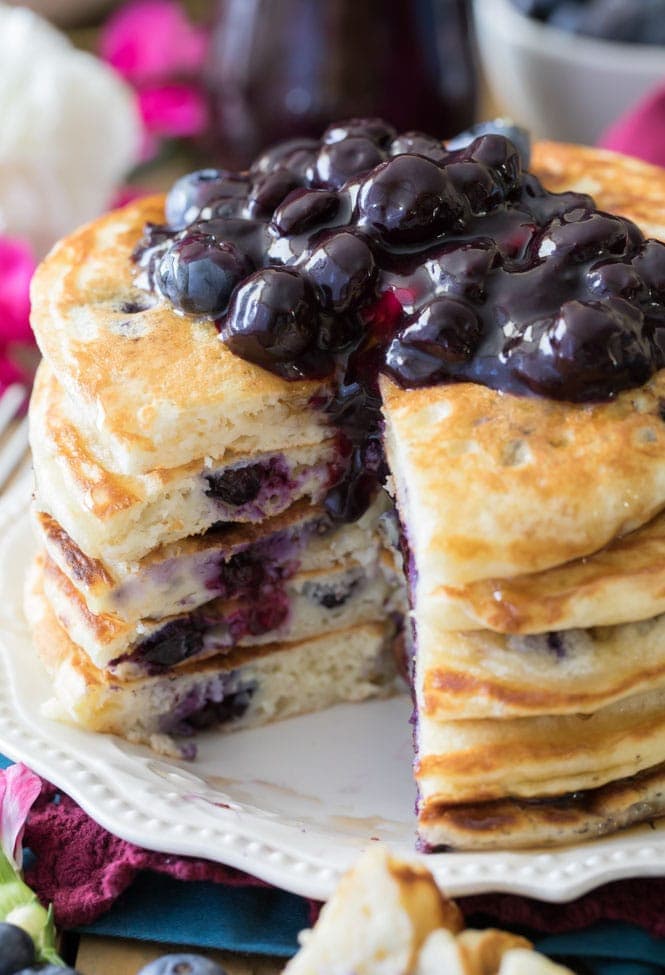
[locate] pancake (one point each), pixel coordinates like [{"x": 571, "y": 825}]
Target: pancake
[
  {"x": 541, "y": 756},
  {"x": 120, "y": 517},
  {"x": 242, "y": 689},
  {"x": 622, "y": 583},
  {"x": 190, "y": 572},
  {"x": 480, "y": 674},
  {"x": 303, "y": 606},
  {"x": 518, "y": 824},
  {"x": 155, "y": 388}
]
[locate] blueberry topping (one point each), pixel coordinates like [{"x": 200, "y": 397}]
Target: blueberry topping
[
  {"x": 236, "y": 486},
  {"x": 339, "y": 161},
  {"x": 197, "y": 274},
  {"x": 16, "y": 949},
  {"x": 408, "y": 199},
  {"x": 519, "y": 137},
  {"x": 343, "y": 271},
  {"x": 447, "y": 328},
  {"x": 304, "y": 209},
  {"x": 190, "y": 194},
  {"x": 499, "y": 155},
  {"x": 285, "y": 155},
  {"x": 420, "y": 144},
  {"x": 182, "y": 964},
  {"x": 374, "y": 129},
  {"x": 268, "y": 191},
  {"x": 272, "y": 318}
]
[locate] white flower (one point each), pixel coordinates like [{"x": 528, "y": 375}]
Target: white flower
[{"x": 69, "y": 131}]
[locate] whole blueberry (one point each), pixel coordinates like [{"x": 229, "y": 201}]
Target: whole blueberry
[
  {"x": 231, "y": 198},
  {"x": 477, "y": 184},
  {"x": 338, "y": 162},
  {"x": 581, "y": 236},
  {"x": 462, "y": 269},
  {"x": 197, "y": 274},
  {"x": 48, "y": 969},
  {"x": 249, "y": 236},
  {"x": 343, "y": 271},
  {"x": 236, "y": 485},
  {"x": 615, "y": 278},
  {"x": 303, "y": 210},
  {"x": 374, "y": 129},
  {"x": 409, "y": 199},
  {"x": 519, "y": 136},
  {"x": 185, "y": 964},
  {"x": 447, "y": 328},
  {"x": 499, "y": 154},
  {"x": 190, "y": 194},
  {"x": 283, "y": 154},
  {"x": 420, "y": 144},
  {"x": 409, "y": 366},
  {"x": 268, "y": 191},
  {"x": 650, "y": 265},
  {"x": 16, "y": 949},
  {"x": 272, "y": 318}
]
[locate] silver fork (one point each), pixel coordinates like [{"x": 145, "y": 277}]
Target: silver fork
[{"x": 14, "y": 443}]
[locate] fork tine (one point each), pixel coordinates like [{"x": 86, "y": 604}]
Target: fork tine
[
  {"x": 13, "y": 450},
  {"x": 10, "y": 403}
]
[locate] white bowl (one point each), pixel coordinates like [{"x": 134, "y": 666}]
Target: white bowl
[{"x": 560, "y": 85}]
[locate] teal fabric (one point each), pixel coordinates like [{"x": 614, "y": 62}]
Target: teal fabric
[{"x": 264, "y": 920}]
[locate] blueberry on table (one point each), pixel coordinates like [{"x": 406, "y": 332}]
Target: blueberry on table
[
  {"x": 198, "y": 273},
  {"x": 410, "y": 199},
  {"x": 190, "y": 194},
  {"x": 16, "y": 949},
  {"x": 272, "y": 318},
  {"x": 182, "y": 965}
]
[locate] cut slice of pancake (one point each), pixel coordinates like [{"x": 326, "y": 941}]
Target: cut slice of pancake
[
  {"x": 245, "y": 688},
  {"x": 622, "y": 583},
  {"x": 226, "y": 562},
  {"x": 120, "y": 517},
  {"x": 155, "y": 388},
  {"x": 306, "y": 605},
  {"x": 481, "y": 674}
]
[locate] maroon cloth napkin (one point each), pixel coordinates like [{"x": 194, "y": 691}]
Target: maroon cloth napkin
[
  {"x": 641, "y": 131},
  {"x": 82, "y": 869}
]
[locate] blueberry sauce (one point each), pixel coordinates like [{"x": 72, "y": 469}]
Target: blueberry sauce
[
  {"x": 223, "y": 698},
  {"x": 371, "y": 252}
]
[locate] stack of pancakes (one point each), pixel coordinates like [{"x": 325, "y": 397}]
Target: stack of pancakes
[
  {"x": 535, "y": 541},
  {"x": 189, "y": 571}
]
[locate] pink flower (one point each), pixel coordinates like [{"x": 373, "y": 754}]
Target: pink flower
[
  {"x": 17, "y": 265},
  {"x": 176, "y": 110},
  {"x": 147, "y": 40},
  {"x": 641, "y": 130},
  {"x": 19, "y": 787}
]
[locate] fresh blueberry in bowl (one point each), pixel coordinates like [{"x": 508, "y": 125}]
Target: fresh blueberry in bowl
[
  {"x": 198, "y": 274},
  {"x": 273, "y": 318},
  {"x": 17, "y": 949},
  {"x": 182, "y": 964}
]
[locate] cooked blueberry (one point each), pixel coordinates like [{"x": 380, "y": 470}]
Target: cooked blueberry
[
  {"x": 343, "y": 270},
  {"x": 269, "y": 190},
  {"x": 410, "y": 366},
  {"x": 190, "y": 194},
  {"x": 178, "y": 640},
  {"x": 499, "y": 155},
  {"x": 419, "y": 144},
  {"x": 280, "y": 155},
  {"x": 305, "y": 209},
  {"x": 236, "y": 486},
  {"x": 332, "y": 595},
  {"x": 614, "y": 279},
  {"x": 272, "y": 318},
  {"x": 338, "y": 162},
  {"x": 352, "y": 496},
  {"x": 588, "y": 346},
  {"x": 519, "y": 137},
  {"x": 197, "y": 274},
  {"x": 650, "y": 265},
  {"x": 580, "y": 236},
  {"x": 446, "y": 328},
  {"x": 338, "y": 332},
  {"x": 463, "y": 269},
  {"x": 477, "y": 184},
  {"x": 408, "y": 199},
  {"x": 249, "y": 236},
  {"x": 374, "y": 129},
  {"x": 182, "y": 964},
  {"x": 17, "y": 949}
]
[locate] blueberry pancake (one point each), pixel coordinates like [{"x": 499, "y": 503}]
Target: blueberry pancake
[{"x": 375, "y": 307}]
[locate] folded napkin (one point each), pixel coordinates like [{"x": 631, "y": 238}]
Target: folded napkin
[
  {"x": 641, "y": 130},
  {"x": 100, "y": 883}
]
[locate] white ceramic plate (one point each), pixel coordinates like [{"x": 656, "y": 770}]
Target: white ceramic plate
[{"x": 293, "y": 803}]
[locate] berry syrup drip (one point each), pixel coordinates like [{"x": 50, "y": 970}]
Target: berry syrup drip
[{"x": 370, "y": 252}]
